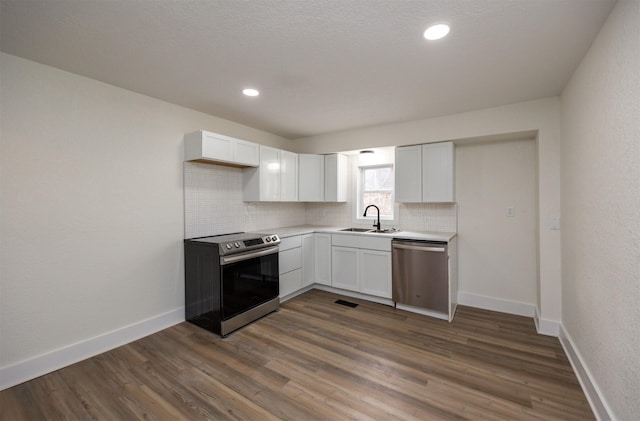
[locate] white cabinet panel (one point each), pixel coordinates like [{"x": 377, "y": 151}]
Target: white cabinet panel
[
  {"x": 290, "y": 282},
  {"x": 408, "y": 176},
  {"x": 438, "y": 172},
  {"x": 375, "y": 272},
  {"x": 357, "y": 266},
  {"x": 288, "y": 176},
  {"x": 276, "y": 179},
  {"x": 311, "y": 178},
  {"x": 344, "y": 268},
  {"x": 269, "y": 174},
  {"x": 289, "y": 260},
  {"x": 335, "y": 178},
  {"x": 217, "y": 147},
  {"x": 308, "y": 260},
  {"x": 425, "y": 173},
  {"x": 208, "y": 146},
  {"x": 362, "y": 241},
  {"x": 246, "y": 153},
  {"x": 322, "y": 244},
  {"x": 290, "y": 242}
]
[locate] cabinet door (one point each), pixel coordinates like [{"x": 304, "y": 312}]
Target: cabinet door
[
  {"x": 214, "y": 147},
  {"x": 290, "y": 260},
  {"x": 269, "y": 174},
  {"x": 290, "y": 282},
  {"x": 246, "y": 153},
  {"x": 288, "y": 176},
  {"x": 344, "y": 268},
  {"x": 408, "y": 177},
  {"x": 438, "y": 172},
  {"x": 335, "y": 178},
  {"x": 375, "y": 272},
  {"x": 308, "y": 260},
  {"x": 322, "y": 243},
  {"x": 311, "y": 178}
]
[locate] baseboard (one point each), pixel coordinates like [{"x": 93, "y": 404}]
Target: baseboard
[
  {"x": 46, "y": 363},
  {"x": 599, "y": 406},
  {"x": 496, "y": 304},
  {"x": 546, "y": 326},
  {"x": 296, "y": 293},
  {"x": 424, "y": 312}
]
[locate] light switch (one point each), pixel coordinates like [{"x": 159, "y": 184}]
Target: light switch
[
  {"x": 554, "y": 223},
  {"x": 511, "y": 211}
]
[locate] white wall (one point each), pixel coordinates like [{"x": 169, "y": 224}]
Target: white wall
[
  {"x": 600, "y": 212},
  {"x": 541, "y": 116},
  {"x": 91, "y": 226},
  {"x": 496, "y": 253}
]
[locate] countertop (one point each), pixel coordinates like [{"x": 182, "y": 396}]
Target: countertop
[{"x": 284, "y": 232}]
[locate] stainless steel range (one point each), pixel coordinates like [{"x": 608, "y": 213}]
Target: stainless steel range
[{"x": 230, "y": 280}]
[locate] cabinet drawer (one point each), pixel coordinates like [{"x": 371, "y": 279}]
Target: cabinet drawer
[
  {"x": 290, "y": 282},
  {"x": 290, "y": 260},
  {"x": 290, "y": 242},
  {"x": 362, "y": 242}
]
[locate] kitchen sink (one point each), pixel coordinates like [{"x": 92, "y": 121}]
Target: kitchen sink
[
  {"x": 371, "y": 231},
  {"x": 385, "y": 231}
]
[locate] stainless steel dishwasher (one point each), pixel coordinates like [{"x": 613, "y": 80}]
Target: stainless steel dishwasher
[{"x": 420, "y": 274}]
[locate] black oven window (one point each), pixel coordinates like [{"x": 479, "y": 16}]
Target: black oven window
[{"x": 249, "y": 283}]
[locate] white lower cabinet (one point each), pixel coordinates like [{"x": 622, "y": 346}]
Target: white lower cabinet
[
  {"x": 361, "y": 264},
  {"x": 344, "y": 268},
  {"x": 298, "y": 260},
  {"x": 290, "y": 265},
  {"x": 308, "y": 260},
  {"x": 322, "y": 244},
  {"x": 290, "y": 282},
  {"x": 375, "y": 272},
  {"x": 349, "y": 262}
]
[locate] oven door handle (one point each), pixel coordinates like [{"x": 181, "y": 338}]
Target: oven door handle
[{"x": 226, "y": 260}]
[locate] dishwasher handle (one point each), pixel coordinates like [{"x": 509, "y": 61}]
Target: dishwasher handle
[{"x": 406, "y": 246}]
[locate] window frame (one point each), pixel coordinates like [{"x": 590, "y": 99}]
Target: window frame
[{"x": 360, "y": 190}]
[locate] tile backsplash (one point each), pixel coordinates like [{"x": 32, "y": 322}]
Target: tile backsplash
[{"x": 213, "y": 205}]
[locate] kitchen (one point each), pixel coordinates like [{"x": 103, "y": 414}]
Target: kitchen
[{"x": 106, "y": 165}]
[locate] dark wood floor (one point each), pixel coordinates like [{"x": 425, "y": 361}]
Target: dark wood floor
[{"x": 318, "y": 360}]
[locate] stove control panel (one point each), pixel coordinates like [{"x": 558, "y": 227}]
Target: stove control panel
[{"x": 239, "y": 246}]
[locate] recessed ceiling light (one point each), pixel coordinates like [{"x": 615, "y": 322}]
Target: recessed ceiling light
[
  {"x": 250, "y": 92},
  {"x": 436, "y": 31}
]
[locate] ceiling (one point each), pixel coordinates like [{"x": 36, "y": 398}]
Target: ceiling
[{"x": 320, "y": 65}]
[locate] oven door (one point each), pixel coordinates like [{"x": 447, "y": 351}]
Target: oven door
[{"x": 248, "y": 280}]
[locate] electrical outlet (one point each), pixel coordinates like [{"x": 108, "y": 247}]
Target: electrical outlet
[{"x": 511, "y": 212}]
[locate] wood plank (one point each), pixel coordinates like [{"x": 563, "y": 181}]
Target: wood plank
[{"x": 315, "y": 359}]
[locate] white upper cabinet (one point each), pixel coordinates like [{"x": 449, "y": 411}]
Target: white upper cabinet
[
  {"x": 425, "y": 173},
  {"x": 311, "y": 178},
  {"x": 335, "y": 178},
  {"x": 438, "y": 172},
  {"x": 275, "y": 180},
  {"x": 408, "y": 177},
  {"x": 213, "y": 147},
  {"x": 288, "y": 176}
]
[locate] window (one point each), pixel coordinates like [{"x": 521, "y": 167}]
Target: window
[{"x": 375, "y": 187}]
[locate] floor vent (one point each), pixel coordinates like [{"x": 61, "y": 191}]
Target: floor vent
[{"x": 346, "y": 303}]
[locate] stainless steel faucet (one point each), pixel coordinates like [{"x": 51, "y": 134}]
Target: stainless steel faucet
[{"x": 377, "y": 225}]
